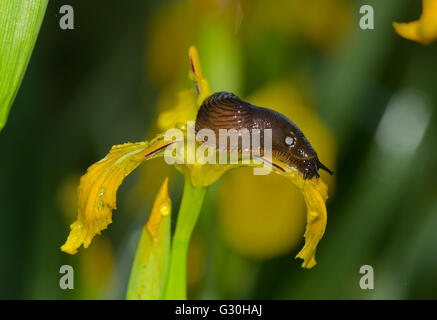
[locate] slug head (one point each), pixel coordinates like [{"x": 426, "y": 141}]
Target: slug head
[{"x": 291, "y": 146}]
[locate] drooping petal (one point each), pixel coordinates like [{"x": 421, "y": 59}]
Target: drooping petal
[
  {"x": 315, "y": 193},
  {"x": 98, "y": 188}
]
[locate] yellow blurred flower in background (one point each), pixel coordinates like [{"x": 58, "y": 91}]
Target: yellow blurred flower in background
[
  {"x": 182, "y": 20},
  {"x": 311, "y": 20},
  {"x": 323, "y": 22},
  {"x": 423, "y": 30},
  {"x": 267, "y": 219},
  {"x": 97, "y": 267},
  {"x": 66, "y": 196}
]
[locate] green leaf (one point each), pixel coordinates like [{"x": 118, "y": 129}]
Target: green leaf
[
  {"x": 20, "y": 21},
  {"x": 148, "y": 274}
]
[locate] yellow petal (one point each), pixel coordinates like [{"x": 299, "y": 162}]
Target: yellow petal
[
  {"x": 409, "y": 30},
  {"x": 96, "y": 268},
  {"x": 187, "y": 102},
  {"x": 202, "y": 84},
  {"x": 423, "y": 30},
  {"x": 98, "y": 188},
  {"x": 315, "y": 193},
  {"x": 184, "y": 110},
  {"x": 428, "y": 27},
  {"x": 428, "y": 6}
]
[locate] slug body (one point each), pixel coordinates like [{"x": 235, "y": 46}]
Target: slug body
[{"x": 224, "y": 110}]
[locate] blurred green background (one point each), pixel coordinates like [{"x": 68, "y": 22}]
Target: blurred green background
[{"x": 365, "y": 99}]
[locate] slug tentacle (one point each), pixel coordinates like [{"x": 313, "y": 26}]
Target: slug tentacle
[
  {"x": 322, "y": 166},
  {"x": 224, "y": 110}
]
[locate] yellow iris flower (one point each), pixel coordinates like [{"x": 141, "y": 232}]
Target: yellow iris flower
[
  {"x": 423, "y": 30},
  {"x": 98, "y": 187}
]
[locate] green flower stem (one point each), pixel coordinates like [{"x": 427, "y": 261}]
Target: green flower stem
[
  {"x": 192, "y": 199},
  {"x": 20, "y": 21}
]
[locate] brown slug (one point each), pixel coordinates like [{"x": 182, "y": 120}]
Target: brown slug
[{"x": 224, "y": 110}]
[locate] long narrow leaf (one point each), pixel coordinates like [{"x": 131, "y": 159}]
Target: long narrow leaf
[{"x": 20, "y": 21}]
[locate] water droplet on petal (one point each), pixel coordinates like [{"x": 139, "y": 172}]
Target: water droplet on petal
[
  {"x": 100, "y": 201},
  {"x": 165, "y": 210}
]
